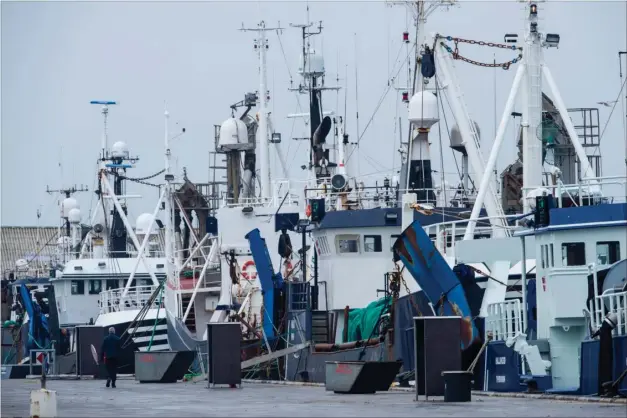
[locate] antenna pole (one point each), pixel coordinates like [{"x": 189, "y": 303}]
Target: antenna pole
[
  {"x": 167, "y": 195},
  {"x": 105, "y": 112},
  {"x": 261, "y": 45}
]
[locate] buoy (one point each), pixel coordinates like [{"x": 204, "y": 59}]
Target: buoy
[{"x": 248, "y": 276}]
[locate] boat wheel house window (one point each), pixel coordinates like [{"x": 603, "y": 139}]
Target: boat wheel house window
[
  {"x": 94, "y": 287},
  {"x": 372, "y": 243},
  {"x": 347, "y": 244},
  {"x": 112, "y": 284},
  {"x": 608, "y": 252},
  {"x": 78, "y": 287},
  {"x": 574, "y": 254}
]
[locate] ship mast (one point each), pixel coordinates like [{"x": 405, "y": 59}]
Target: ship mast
[{"x": 263, "y": 156}]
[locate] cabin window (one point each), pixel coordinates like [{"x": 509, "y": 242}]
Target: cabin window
[
  {"x": 608, "y": 252},
  {"x": 542, "y": 262},
  {"x": 552, "y": 260},
  {"x": 145, "y": 282},
  {"x": 78, "y": 287},
  {"x": 393, "y": 239},
  {"x": 574, "y": 254},
  {"x": 94, "y": 287},
  {"x": 372, "y": 243},
  {"x": 347, "y": 244},
  {"x": 112, "y": 284}
]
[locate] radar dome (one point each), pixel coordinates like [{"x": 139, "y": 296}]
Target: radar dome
[
  {"x": 423, "y": 109},
  {"x": 21, "y": 264},
  {"x": 119, "y": 150},
  {"x": 457, "y": 142},
  {"x": 314, "y": 65},
  {"x": 67, "y": 205},
  {"x": 233, "y": 135},
  {"x": 74, "y": 215},
  {"x": 142, "y": 224}
]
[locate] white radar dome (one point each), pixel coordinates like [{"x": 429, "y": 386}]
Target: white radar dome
[
  {"x": 142, "y": 224},
  {"x": 21, "y": 265},
  {"x": 233, "y": 135},
  {"x": 423, "y": 109},
  {"x": 119, "y": 150},
  {"x": 314, "y": 65},
  {"x": 67, "y": 205},
  {"x": 74, "y": 215}
]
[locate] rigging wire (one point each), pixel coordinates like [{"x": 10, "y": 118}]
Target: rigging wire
[{"x": 381, "y": 99}]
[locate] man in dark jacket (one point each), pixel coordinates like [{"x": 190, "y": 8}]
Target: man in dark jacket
[{"x": 109, "y": 353}]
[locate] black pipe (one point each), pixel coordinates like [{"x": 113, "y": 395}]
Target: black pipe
[{"x": 314, "y": 300}]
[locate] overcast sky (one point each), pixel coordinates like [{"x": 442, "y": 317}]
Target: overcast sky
[{"x": 58, "y": 56}]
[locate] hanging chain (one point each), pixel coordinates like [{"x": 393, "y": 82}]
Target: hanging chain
[
  {"x": 455, "y": 52},
  {"x": 140, "y": 180}
]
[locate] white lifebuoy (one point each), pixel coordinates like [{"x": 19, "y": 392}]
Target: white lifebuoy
[{"x": 248, "y": 276}]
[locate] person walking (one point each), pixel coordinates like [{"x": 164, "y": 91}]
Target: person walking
[{"x": 109, "y": 354}]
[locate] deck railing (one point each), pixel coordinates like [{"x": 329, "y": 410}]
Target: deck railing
[
  {"x": 505, "y": 319},
  {"x": 136, "y": 298}
]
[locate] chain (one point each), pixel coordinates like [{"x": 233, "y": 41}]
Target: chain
[
  {"x": 145, "y": 178},
  {"x": 141, "y": 179},
  {"x": 455, "y": 52}
]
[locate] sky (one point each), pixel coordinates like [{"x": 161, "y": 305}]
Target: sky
[{"x": 58, "y": 56}]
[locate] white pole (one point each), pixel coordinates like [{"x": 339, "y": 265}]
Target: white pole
[
  {"x": 129, "y": 228},
  {"x": 586, "y": 169},
  {"x": 143, "y": 246},
  {"x": 494, "y": 152},
  {"x": 469, "y": 137},
  {"x": 523, "y": 273},
  {"x": 264, "y": 154},
  {"x": 167, "y": 199}
]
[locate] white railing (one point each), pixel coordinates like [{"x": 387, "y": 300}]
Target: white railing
[
  {"x": 136, "y": 298},
  {"x": 594, "y": 187},
  {"x": 612, "y": 300},
  {"x": 291, "y": 192},
  {"x": 505, "y": 319},
  {"x": 446, "y": 234}
]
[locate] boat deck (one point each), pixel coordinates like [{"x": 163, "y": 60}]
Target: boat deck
[{"x": 89, "y": 398}]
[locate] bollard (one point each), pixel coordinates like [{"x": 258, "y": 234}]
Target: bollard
[{"x": 43, "y": 402}]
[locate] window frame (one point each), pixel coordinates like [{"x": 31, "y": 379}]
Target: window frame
[
  {"x": 566, "y": 246},
  {"x": 613, "y": 248},
  {"x": 80, "y": 287},
  {"x": 347, "y": 237},
  {"x": 90, "y": 284},
  {"x": 376, "y": 245}
]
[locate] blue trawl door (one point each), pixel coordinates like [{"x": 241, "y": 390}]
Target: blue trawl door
[{"x": 503, "y": 368}]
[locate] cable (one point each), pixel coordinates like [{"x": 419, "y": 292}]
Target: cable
[
  {"x": 612, "y": 111},
  {"x": 381, "y": 99}
]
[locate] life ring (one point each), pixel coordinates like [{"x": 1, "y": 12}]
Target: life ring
[{"x": 245, "y": 274}]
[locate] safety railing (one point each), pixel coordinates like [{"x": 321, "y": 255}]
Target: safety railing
[
  {"x": 383, "y": 194},
  {"x": 136, "y": 298},
  {"x": 505, "y": 319},
  {"x": 606, "y": 189},
  {"x": 611, "y": 300},
  {"x": 446, "y": 234}
]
